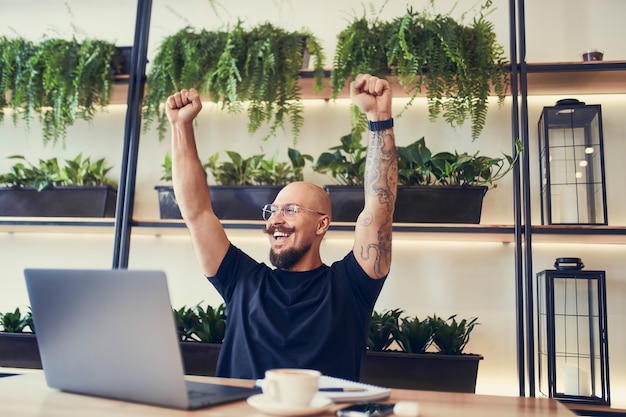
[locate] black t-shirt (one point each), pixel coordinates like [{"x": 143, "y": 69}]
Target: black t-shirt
[{"x": 317, "y": 319}]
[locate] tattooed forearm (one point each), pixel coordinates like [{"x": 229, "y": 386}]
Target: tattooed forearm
[
  {"x": 382, "y": 171},
  {"x": 380, "y": 186}
]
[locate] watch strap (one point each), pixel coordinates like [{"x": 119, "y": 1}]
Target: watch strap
[{"x": 380, "y": 125}]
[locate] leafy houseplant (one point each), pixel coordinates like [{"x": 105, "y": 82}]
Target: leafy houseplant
[
  {"x": 260, "y": 66},
  {"x": 450, "y": 336},
  {"x": 51, "y": 188},
  {"x": 244, "y": 184},
  {"x": 198, "y": 324},
  {"x": 420, "y": 354},
  {"x": 18, "y": 346},
  {"x": 15, "y": 322},
  {"x": 432, "y": 188},
  {"x": 383, "y": 326},
  {"x": 458, "y": 65},
  {"x": 201, "y": 331},
  {"x": 58, "y": 80}
]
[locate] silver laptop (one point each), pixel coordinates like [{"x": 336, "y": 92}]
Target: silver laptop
[{"x": 112, "y": 333}]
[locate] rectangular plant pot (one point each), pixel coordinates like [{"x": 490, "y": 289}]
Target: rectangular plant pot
[
  {"x": 71, "y": 201},
  {"x": 19, "y": 350},
  {"x": 415, "y": 203},
  {"x": 200, "y": 358},
  {"x": 424, "y": 371},
  {"x": 229, "y": 202}
]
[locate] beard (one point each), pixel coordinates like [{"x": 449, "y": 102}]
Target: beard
[{"x": 288, "y": 257}]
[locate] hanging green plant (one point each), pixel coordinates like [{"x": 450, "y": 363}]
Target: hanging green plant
[
  {"x": 457, "y": 65},
  {"x": 260, "y": 68},
  {"x": 58, "y": 80}
]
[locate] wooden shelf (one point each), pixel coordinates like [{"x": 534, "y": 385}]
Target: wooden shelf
[{"x": 598, "y": 77}]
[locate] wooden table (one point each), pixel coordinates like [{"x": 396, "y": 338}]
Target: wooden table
[{"x": 28, "y": 396}]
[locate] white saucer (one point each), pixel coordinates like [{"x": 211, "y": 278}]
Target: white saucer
[{"x": 267, "y": 405}]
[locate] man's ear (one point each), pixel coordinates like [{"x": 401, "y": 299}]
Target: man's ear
[{"x": 323, "y": 225}]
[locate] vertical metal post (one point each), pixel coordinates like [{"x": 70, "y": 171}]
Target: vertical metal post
[
  {"x": 519, "y": 277},
  {"x": 132, "y": 130},
  {"x": 528, "y": 271}
]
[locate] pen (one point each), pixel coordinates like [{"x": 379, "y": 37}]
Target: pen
[{"x": 347, "y": 389}]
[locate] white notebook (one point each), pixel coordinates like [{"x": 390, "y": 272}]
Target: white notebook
[{"x": 368, "y": 393}]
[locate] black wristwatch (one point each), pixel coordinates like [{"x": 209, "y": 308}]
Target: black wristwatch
[{"x": 381, "y": 125}]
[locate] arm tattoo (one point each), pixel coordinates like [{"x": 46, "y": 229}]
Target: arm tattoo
[{"x": 381, "y": 179}]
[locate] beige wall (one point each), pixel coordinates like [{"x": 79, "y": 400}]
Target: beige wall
[{"x": 466, "y": 277}]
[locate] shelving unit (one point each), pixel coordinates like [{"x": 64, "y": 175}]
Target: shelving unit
[{"x": 559, "y": 78}]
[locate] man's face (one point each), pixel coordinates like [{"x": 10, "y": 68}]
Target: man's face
[{"x": 290, "y": 235}]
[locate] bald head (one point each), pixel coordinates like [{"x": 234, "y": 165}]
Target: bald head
[{"x": 307, "y": 195}]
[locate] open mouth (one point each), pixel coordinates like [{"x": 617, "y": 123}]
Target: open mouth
[{"x": 278, "y": 235}]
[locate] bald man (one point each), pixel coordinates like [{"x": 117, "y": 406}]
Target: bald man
[{"x": 302, "y": 313}]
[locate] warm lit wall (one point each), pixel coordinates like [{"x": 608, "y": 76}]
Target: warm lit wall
[{"x": 467, "y": 278}]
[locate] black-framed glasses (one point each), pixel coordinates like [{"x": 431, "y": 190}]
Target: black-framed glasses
[{"x": 289, "y": 210}]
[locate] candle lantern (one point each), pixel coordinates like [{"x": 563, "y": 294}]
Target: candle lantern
[
  {"x": 572, "y": 164},
  {"x": 572, "y": 333}
]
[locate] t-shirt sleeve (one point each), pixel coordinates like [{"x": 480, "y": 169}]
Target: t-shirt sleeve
[
  {"x": 365, "y": 288},
  {"x": 230, "y": 269}
]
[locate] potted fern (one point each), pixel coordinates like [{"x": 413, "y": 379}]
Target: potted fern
[
  {"x": 260, "y": 67},
  {"x": 57, "y": 80},
  {"x": 427, "y": 354},
  {"x": 456, "y": 65},
  {"x": 76, "y": 187},
  {"x": 244, "y": 185},
  {"x": 446, "y": 187}
]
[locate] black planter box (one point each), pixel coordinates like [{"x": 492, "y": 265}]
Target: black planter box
[
  {"x": 19, "y": 350},
  {"x": 415, "y": 204},
  {"x": 72, "y": 201},
  {"x": 425, "y": 371},
  {"x": 200, "y": 358},
  {"x": 229, "y": 202}
]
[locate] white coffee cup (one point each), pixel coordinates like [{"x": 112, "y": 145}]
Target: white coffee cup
[{"x": 291, "y": 386}]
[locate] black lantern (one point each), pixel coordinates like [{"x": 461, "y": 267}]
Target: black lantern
[
  {"x": 572, "y": 332},
  {"x": 572, "y": 164}
]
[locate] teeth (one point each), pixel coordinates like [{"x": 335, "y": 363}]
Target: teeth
[{"x": 280, "y": 234}]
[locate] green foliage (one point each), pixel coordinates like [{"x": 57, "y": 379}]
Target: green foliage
[
  {"x": 450, "y": 336},
  {"x": 257, "y": 169},
  {"x": 254, "y": 170},
  {"x": 212, "y": 324},
  {"x": 413, "y": 335},
  {"x": 260, "y": 67},
  {"x": 418, "y": 166},
  {"x": 15, "y": 322},
  {"x": 198, "y": 324},
  {"x": 457, "y": 65},
  {"x": 346, "y": 164},
  {"x": 50, "y": 173},
  {"x": 383, "y": 326},
  {"x": 58, "y": 80}
]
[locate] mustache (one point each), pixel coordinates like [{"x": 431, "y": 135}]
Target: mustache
[{"x": 270, "y": 230}]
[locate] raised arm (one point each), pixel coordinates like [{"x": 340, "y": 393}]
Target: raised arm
[
  {"x": 372, "y": 241},
  {"x": 190, "y": 187}
]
